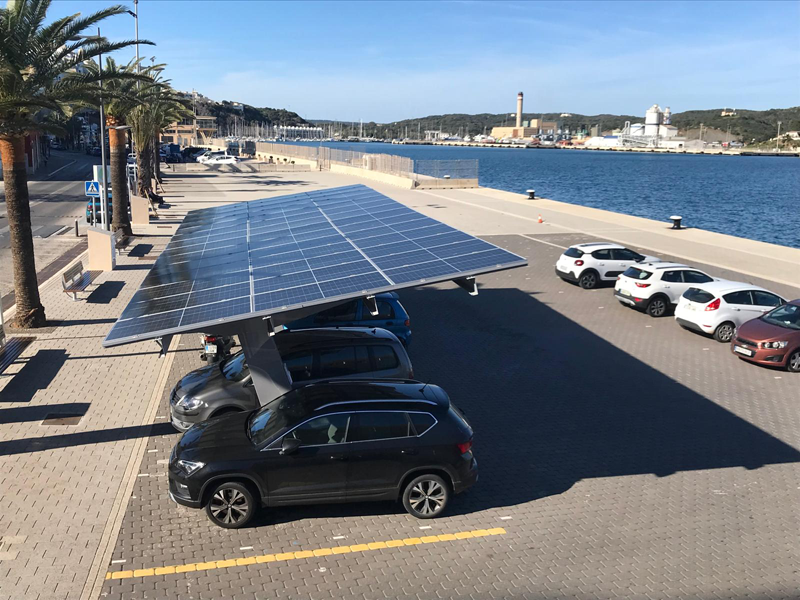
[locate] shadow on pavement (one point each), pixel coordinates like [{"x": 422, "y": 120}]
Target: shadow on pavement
[
  {"x": 37, "y": 373},
  {"x": 25, "y": 414},
  {"x": 105, "y": 293},
  {"x": 101, "y": 436},
  {"x": 73, "y": 322}
]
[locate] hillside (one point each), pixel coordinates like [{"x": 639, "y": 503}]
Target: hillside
[
  {"x": 747, "y": 125},
  {"x": 226, "y": 114}
]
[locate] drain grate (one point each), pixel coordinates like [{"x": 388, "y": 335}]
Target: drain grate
[{"x": 62, "y": 419}]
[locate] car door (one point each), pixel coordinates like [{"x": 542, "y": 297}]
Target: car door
[
  {"x": 383, "y": 448},
  {"x": 740, "y": 307},
  {"x": 765, "y": 301},
  {"x": 673, "y": 286},
  {"x": 317, "y": 470},
  {"x": 605, "y": 266}
]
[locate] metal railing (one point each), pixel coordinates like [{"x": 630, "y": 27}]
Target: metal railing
[{"x": 447, "y": 169}]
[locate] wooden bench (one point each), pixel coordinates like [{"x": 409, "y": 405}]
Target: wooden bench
[
  {"x": 120, "y": 240},
  {"x": 11, "y": 348},
  {"x": 75, "y": 279}
]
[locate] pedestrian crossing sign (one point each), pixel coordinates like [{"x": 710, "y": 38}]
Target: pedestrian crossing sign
[{"x": 93, "y": 188}]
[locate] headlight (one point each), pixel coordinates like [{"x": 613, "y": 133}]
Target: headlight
[
  {"x": 189, "y": 403},
  {"x": 774, "y": 345},
  {"x": 189, "y": 467}
]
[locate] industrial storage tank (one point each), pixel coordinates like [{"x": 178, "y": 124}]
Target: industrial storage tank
[{"x": 652, "y": 119}]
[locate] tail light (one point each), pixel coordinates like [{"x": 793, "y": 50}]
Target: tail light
[
  {"x": 578, "y": 263},
  {"x": 465, "y": 447},
  {"x": 713, "y": 305},
  {"x": 211, "y": 338},
  {"x": 642, "y": 285},
  {"x": 407, "y": 323}
]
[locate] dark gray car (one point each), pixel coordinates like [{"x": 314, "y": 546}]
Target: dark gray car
[{"x": 309, "y": 355}]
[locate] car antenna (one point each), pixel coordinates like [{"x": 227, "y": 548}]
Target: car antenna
[{"x": 422, "y": 389}]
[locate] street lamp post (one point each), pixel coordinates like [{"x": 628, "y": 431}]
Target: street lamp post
[
  {"x": 778, "y": 139},
  {"x": 104, "y": 188}
]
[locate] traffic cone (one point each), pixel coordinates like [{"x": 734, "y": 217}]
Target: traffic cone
[{"x": 540, "y": 219}]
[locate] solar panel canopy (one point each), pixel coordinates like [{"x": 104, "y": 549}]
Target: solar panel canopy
[{"x": 264, "y": 257}]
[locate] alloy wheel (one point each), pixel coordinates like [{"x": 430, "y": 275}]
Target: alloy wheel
[
  {"x": 588, "y": 281},
  {"x": 794, "y": 362},
  {"x": 229, "y": 506},
  {"x": 657, "y": 307},
  {"x": 427, "y": 497},
  {"x": 725, "y": 333}
]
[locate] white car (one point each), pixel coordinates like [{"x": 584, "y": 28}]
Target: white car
[
  {"x": 719, "y": 307},
  {"x": 222, "y": 160},
  {"x": 209, "y": 154},
  {"x": 589, "y": 264},
  {"x": 656, "y": 287}
]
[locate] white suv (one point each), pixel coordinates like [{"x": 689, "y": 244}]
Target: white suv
[
  {"x": 589, "y": 264},
  {"x": 656, "y": 287},
  {"x": 719, "y": 307}
]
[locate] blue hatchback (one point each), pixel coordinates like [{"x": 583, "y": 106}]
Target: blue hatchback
[{"x": 391, "y": 315}]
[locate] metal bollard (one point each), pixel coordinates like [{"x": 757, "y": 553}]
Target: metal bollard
[
  {"x": 76, "y": 228},
  {"x": 531, "y": 194},
  {"x": 676, "y": 222}
]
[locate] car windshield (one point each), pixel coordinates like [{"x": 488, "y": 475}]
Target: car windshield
[
  {"x": 637, "y": 273},
  {"x": 234, "y": 368},
  {"x": 274, "y": 416},
  {"x": 787, "y": 316}
]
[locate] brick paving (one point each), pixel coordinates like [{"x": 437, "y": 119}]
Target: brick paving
[{"x": 624, "y": 456}]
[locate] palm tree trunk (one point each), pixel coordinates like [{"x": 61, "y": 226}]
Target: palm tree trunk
[
  {"x": 144, "y": 162},
  {"x": 156, "y": 159},
  {"x": 119, "y": 182},
  {"x": 30, "y": 312}
]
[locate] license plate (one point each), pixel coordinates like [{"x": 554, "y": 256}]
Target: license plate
[
  {"x": 211, "y": 348},
  {"x": 744, "y": 351},
  {"x": 625, "y": 292}
]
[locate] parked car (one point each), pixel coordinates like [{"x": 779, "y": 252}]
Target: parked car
[
  {"x": 224, "y": 159},
  {"x": 309, "y": 355},
  {"x": 589, "y": 264},
  {"x": 719, "y": 307},
  {"x": 391, "y": 316},
  {"x": 174, "y": 158},
  {"x": 98, "y": 207},
  {"x": 341, "y": 441},
  {"x": 655, "y": 288},
  {"x": 209, "y": 154},
  {"x": 96, "y": 151},
  {"x": 772, "y": 339}
]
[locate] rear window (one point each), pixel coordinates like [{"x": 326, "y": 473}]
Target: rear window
[
  {"x": 422, "y": 422},
  {"x": 698, "y": 295},
  {"x": 385, "y": 312},
  {"x": 573, "y": 253},
  {"x": 637, "y": 273}
]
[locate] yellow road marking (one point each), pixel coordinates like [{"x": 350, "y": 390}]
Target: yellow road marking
[{"x": 304, "y": 554}]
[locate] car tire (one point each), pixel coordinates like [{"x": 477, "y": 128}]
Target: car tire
[
  {"x": 724, "y": 332},
  {"x": 231, "y": 505},
  {"x": 426, "y": 496},
  {"x": 657, "y": 307},
  {"x": 793, "y": 362},
  {"x": 588, "y": 280}
]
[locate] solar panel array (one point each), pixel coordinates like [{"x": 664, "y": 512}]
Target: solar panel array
[{"x": 267, "y": 256}]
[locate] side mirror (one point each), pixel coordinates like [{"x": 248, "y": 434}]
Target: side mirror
[{"x": 289, "y": 445}]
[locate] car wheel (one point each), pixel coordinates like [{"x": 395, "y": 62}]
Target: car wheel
[
  {"x": 724, "y": 333},
  {"x": 657, "y": 307},
  {"x": 231, "y": 506},
  {"x": 793, "y": 363},
  {"x": 588, "y": 280},
  {"x": 426, "y": 496}
]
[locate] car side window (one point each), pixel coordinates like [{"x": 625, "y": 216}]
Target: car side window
[
  {"x": 696, "y": 277},
  {"x": 422, "y": 422},
  {"x": 671, "y": 276},
  {"x": 385, "y": 358},
  {"x": 371, "y": 426},
  {"x": 300, "y": 365},
  {"x": 344, "y": 312},
  {"x": 766, "y": 299},
  {"x": 327, "y": 429},
  {"x": 742, "y": 297},
  {"x": 625, "y": 254},
  {"x": 343, "y": 360},
  {"x": 385, "y": 312},
  {"x": 602, "y": 254}
]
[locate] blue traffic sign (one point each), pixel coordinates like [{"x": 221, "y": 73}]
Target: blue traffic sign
[{"x": 93, "y": 188}]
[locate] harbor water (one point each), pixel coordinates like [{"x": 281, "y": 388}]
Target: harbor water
[{"x": 755, "y": 197}]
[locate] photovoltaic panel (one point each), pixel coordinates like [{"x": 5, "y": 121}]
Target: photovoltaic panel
[{"x": 264, "y": 257}]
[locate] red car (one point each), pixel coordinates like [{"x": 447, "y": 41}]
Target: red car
[{"x": 773, "y": 339}]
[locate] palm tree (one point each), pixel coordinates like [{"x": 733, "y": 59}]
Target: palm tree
[
  {"x": 40, "y": 77},
  {"x": 121, "y": 95}
]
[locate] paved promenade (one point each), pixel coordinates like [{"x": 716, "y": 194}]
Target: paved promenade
[{"x": 620, "y": 455}]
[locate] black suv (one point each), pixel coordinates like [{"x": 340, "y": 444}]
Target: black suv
[{"x": 334, "y": 441}]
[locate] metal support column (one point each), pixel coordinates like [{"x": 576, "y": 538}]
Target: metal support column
[{"x": 266, "y": 366}]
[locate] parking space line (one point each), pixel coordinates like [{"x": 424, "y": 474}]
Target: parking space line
[
  {"x": 541, "y": 241},
  {"x": 303, "y": 554}
]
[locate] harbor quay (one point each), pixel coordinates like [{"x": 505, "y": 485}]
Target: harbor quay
[{"x": 620, "y": 455}]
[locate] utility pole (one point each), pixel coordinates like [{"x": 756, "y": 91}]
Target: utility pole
[
  {"x": 104, "y": 189},
  {"x": 778, "y": 139}
]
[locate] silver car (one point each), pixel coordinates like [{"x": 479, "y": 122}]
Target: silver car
[{"x": 310, "y": 355}]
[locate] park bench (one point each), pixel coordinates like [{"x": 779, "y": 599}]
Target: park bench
[
  {"x": 121, "y": 240},
  {"x": 10, "y": 348},
  {"x": 75, "y": 279}
]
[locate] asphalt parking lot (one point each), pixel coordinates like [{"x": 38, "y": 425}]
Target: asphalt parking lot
[{"x": 620, "y": 456}]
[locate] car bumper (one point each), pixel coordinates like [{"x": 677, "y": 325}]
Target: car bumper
[
  {"x": 630, "y": 300},
  {"x": 182, "y": 422},
  {"x": 694, "y": 326},
  {"x": 182, "y": 492},
  {"x": 765, "y": 356},
  {"x": 566, "y": 275},
  {"x": 468, "y": 480}
]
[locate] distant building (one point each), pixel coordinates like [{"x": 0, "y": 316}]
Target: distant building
[
  {"x": 183, "y": 132},
  {"x": 526, "y": 129},
  {"x": 728, "y": 112}
]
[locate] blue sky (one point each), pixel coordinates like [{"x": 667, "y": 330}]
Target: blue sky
[{"x": 387, "y": 61}]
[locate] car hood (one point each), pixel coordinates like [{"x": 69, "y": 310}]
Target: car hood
[
  {"x": 199, "y": 379},
  {"x": 216, "y": 439},
  {"x": 759, "y": 330}
]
